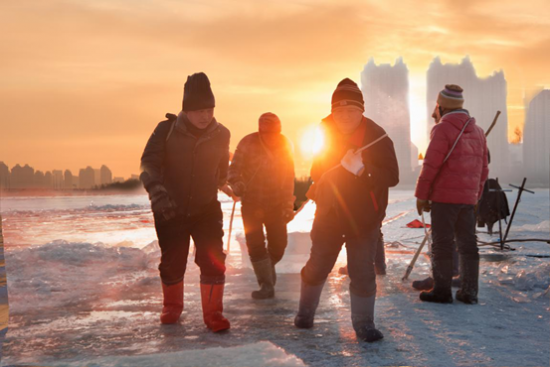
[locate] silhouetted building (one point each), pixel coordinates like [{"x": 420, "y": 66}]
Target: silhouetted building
[
  {"x": 87, "y": 178},
  {"x": 386, "y": 94},
  {"x": 536, "y": 139},
  {"x": 118, "y": 179},
  {"x": 483, "y": 98},
  {"x": 22, "y": 177},
  {"x": 4, "y": 176},
  {"x": 48, "y": 180},
  {"x": 39, "y": 180},
  {"x": 69, "y": 182},
  {"x": 57, "y": 180},
  {"x": 106, "y": 175}
]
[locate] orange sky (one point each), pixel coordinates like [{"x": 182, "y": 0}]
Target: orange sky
[{"x": 85, "y": 82}]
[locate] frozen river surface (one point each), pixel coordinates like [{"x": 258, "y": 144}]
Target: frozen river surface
[{"x": 84, "y": 291}]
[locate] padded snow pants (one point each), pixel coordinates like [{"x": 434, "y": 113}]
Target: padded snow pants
[
  {"x": 174, "y": 237},
  {"x": 255, "y": 217},
  {"x": 450, "y": 223},
  {"x": 327, "y": 237}
]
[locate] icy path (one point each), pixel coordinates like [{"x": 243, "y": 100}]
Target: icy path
[{"x": 76, "y": 303}]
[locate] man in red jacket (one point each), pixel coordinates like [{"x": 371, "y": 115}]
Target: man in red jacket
[{"x": 450, "y": 185}]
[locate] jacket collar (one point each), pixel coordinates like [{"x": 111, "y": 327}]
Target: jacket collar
[
  {"x": 458, "y": 118},
  {"x": 182, "y": 117}
]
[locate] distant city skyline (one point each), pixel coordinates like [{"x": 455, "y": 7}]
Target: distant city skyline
[{"x": 26, "y": 177}]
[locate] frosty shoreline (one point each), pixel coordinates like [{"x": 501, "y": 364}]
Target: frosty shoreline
[{"x": 91, "y": 269}]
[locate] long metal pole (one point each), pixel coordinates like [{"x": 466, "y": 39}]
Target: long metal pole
[
  {"x": 520, "y": 191},
  {"x": 493, "y": 124},
  {"x": 231, "y": 227},
  {"x": 413, "y": 261}
]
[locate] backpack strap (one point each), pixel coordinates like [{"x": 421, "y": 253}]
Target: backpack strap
[
  {"x": 457, "y": 138},
  {"x": 173, "y": 118}
]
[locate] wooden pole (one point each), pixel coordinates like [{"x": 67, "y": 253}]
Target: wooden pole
[{"x": 231, "y": 227}]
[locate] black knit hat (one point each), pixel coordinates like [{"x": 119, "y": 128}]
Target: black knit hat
[
  {"x": 347, "y": 93},
  {"x": 197, "y": 94}
]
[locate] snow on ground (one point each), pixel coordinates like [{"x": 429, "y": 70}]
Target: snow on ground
[
  {"x": 257, "y": 354},
  {"x": 84, "y": 290}
]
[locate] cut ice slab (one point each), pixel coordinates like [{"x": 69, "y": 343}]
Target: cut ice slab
[{"x": 258, "y": 354}]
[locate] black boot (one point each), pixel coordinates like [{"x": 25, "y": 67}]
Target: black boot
[
  {"x": 423, "y": 285},
  {"x": 309, "y": 300},
  {"x": 362, "y": 318},
  {"x": 469, "y": 268},
  {"x": 443, "y": 275},
  {"x": 264, "y": 273}
]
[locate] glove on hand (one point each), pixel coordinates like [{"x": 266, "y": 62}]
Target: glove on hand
[
  {"x": 239, "y": 188},
  {"x": 226, "y": 189},
  {"x": 353, "y": 162},
  {"x": 423, "y": 205},
  {"x": 162, "y": 203}
]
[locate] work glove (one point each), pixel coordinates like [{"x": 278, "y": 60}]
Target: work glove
[
  {"x": 423, "y": 205},
  {"x": 238, "y": 188},
  {"x": 288, "y": 210},
  {"x": 226, "y": 189},
  {"x": 353, "y": 162},
  {"x": 161, "y": 202}
]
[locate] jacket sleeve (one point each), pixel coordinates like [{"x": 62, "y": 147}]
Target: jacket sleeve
[
  {"x": 435, "y": 154},
  {"x": 485, "y": 167},
  {"x": 235, "y": 173},
  {"x": 381, "y": 167},
  {"x": 153, "y": 156},
  {"x": 223, "y": 167}
]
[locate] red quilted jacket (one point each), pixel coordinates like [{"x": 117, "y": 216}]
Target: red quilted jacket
[{"x": 461, "y": 178}]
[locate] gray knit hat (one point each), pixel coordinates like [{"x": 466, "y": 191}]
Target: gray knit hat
[{"x": 451, "y": 97}]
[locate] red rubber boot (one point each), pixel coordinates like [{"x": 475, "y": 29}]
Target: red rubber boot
[
  {"x": 173, "y": 303},
  {"x": 212, "y": 307}
]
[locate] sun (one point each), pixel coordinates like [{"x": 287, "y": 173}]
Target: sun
[{"x": 312, "y": 141}]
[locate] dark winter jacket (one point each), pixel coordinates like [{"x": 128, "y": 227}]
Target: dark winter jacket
[
  {"x": 460, "y": 180},
  {"x": 360, "y": 201},
  {"x": 191, "y": 169},
  {"x": 493, "y": 204},
  {"x": 268, "y": 173}
]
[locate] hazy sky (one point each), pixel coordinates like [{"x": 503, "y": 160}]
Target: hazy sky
[{"x": 85, "y": 82}]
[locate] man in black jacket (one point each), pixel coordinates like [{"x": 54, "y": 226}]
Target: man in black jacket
[
  {"x": 351, "y": 193},
  {"x": 183, "y": 165}
]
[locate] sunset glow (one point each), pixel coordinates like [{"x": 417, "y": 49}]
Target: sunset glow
[
  {"x": 86, "y": 82},
  {"x": 312, "y": 142}
]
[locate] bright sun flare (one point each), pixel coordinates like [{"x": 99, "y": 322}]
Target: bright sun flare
[{"x": 312, "y": 142}]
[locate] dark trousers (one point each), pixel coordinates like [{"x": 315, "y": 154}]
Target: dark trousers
[
  {"x": 380, "y": 257},
  {"x": 327, "y": 237},
  {"x": 174, "y": 237},
  {"x": 255, "y": 217},
  {"x": 453, "y": 225}
]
